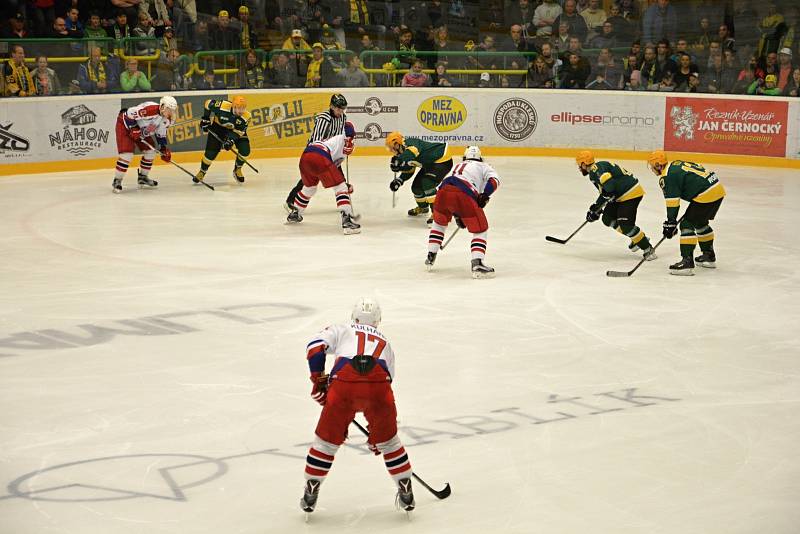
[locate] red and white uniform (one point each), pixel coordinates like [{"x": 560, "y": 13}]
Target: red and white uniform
[
  {"x": 320, "y": 162},
  {"x": 147, "y": 117},
  {"x": 352, "y": 391}
]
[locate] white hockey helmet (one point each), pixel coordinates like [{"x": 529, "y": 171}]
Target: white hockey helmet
[
  {"x": 367, "y": 311},
  {"x": 473, "y": 152},
  {"x": 168, "y": 102}
]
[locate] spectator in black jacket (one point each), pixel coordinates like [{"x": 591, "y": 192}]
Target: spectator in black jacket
[
  {"x": 577, "y": 24},
  {"x": 575, "y": 72}
]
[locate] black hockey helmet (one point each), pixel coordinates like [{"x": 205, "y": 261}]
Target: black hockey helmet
[{"x": 338, "y": 101}]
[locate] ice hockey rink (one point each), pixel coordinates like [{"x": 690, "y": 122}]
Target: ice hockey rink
[{"x": 153, "y": 375}]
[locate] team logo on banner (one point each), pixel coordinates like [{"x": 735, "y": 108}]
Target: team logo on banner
[
  {"x": 10, "y": 141},
  {"x": 373, "y": 106},
  {"x": 515, "y": 119},
  {"x": 372, "y": 132},
  {"x": 683, "y": 121},
  {"x": 441, "y": 113},
  {"x": 78, "y": 136}
]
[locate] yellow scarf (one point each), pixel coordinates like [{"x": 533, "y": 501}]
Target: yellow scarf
[
  {"x": 22, "y": 79},
  {"x": 245, "y": 36},
  {"x": 96, "y": 76},
  {"x": 357, "y": 15}
]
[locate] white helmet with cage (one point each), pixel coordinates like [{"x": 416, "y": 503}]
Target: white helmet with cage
[
  {"x": 367, "y": 311},
  {"x": 168, "y": 102},
  {"x": 473, "y": 152}
]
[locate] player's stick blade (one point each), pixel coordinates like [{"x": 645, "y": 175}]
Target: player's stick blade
[
  {"x": 555, "y": 239},
  {"x": 443, "y": 493},
  {"x": 618, "y": 274}
]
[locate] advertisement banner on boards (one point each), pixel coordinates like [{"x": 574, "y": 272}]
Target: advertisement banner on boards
[{"x": 726, "y": 126}]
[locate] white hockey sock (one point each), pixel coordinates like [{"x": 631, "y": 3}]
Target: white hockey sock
[
  {"x": 123, "y": 161},
  {"x": 303, "y": 197},
  {"x": 320, "y": 459},
  {"x": 343, "y": 199},
  {"x": 435, "y": 237},
  {"x": 395, "y": 458},
  {"x": 478, "y": 246}
]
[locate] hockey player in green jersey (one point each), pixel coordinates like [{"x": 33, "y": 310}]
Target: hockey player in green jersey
[
  {"x": 432, "y": 160},
  {"x": 229, "y": 123},
  {"x": 618, "y": 201},
  {"x": 704, "y": 192}
]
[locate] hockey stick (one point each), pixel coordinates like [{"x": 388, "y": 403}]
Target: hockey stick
[
  {"x": 625, "y": 274},
  {"x": 564, "y": 241},
  {"x": 356, "y": 216},
  {"x": 235, "y": 152},
  {"x": 394, "y": 194},
  {"x": 450, "y": 238},
  {"x": 441, "y": 494},
  {"x": 148, "y": 145}
]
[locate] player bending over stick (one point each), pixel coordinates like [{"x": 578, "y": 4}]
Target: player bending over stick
[{"x": 227, "y": 128}]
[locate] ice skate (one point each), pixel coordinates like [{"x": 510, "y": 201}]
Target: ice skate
[
  {"x": 429, "y": 261},
  {"x": 294, "y": 216},
  {"x": 414, "y": 212},
  {"x": 145, "y": 181},
  {"x": 481, "y": 270},
  {"x": 197, "y": 178},
  {"x": 405, "y": 495},
  {"x": 650, "y": 254},
  {"x": 238, "y": 174},
  {"x": 349, "y": 226},
  {"x": 310, "y": 493},
  {"x": 685, "y": 267},
  {"x": 116, "y": 185},
  {"x": 707, "y": 259},
  {"x": 633, "y": 247}
]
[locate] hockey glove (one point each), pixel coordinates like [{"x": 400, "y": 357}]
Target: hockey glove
[
  {"x": 136, "y": 134},
  {"x": 483, "y": 199},
  {"x": 459, "y": 222},
  {"x": 227, "y": 144},
  {"x": 398, "y": 166},
  {"x": 348, "y": 147},
  {"x": 166, "y": 154},
  {"x": 395, "y": 184},
  {"x": 320, "y": 390},
  {"x": 670, "y": 228},
  {"x": 594, "y": 212},
  {"x": 205, "y": 124}
]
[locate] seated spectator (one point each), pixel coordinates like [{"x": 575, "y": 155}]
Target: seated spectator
[
  {"x": 370, "y": 62},
  {"x": 485, "y": 80},
  {"x": 281, "y": 74},
  {"x": 692, "y": 85},
  {"x": 94, "y": 30},
  {"x": 92, "y": 75},
  {"x": 630, "y": 64},
  {"x": 606, "y": 74},
  {"x": 714, "y": 49},
  {"x": 719, "y": 79},
  {"x": 576, "y": 24},
  {"x": 667, "y": 84},
  {"x": 16, "y": 28},
  {"x": 320, "y": 71},
  {"x": 561, "y": 41},
  {"x": 415, "y": 77},
  {"x": 539, "y": 74},
  {"x": 120, "y": 30},
  {"x": 574, "y": 47},
  {"x": 441, "y": 78},
  {"x": 785, "y": 67},
  {"x": 352, "y": 75},
  {"x": 132, "y": 79},
  {"x": 769, "y": 63},
  {"x": 552, "y": 62},
  {"x": 725, "y": 38},
  {"x": 210, "y": 81},
  {"x": 172, "y": 73},
  {"x": 575, "y": 72},
  {"x": 635, "y": 82},
  {"x": 606, "y": 39},
  {"x": 703, "y": 38},
  {"x": 74, "y": 28},
  {"x": 408, "y": 52},
  {"x": 222, "y": 35},
  {"x": 768, "y": 86},
  {"x": 252, "y": 75},
  {"x": 686, "y": 68},
  {"x": 663, "y": 53},
  {"x": 595, "y": 16},
  {"x": 145, "y": 29},
  {"x": 682, "y": 47},
  {"x": 793, "y": 87},
  {"x": 18, "y": 79},
  {"x": 651, "y": 72},
  {"x": 486, "y": 62},
  {"x": 45, "y": 78}
]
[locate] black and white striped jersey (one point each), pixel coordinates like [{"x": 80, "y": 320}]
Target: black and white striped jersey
[{"x": 326, "y": 126}]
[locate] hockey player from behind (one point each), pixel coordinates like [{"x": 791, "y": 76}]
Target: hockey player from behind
[
  {"x": 430, "y": 161},
  {"x": 321, "y": 162},
  {"x": 138, "y": 127},
  {"x": 229, "y": 123},
  {"x": 463, "y": 195},
  {"x": 704, "y": 192},
  {"x": 618, "y": 201},
  {"x": 326, "y": 124},
  {"x": 359, "y": 381}
]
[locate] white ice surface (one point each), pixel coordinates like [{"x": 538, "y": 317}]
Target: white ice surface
[{"x": 201, "y": 425}]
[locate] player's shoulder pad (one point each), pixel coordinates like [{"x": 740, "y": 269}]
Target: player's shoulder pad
[
  {"x": 226, "y": 105},
  {"x": 246, "y": 116}
]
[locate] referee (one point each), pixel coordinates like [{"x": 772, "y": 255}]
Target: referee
[{"x": 326, "y": 125}]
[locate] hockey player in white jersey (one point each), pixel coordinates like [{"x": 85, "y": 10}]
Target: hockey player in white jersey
[
  {"x": 140, "y": 126},
  {"x": 462, "y": 195},
  {"x": 359, "y": 381}
]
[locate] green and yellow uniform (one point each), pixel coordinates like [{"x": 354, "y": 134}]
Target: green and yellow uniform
[
  {"x": 230, "y": 128},
  {"x": 433, "y": 162},
  {"x": 621, "y": 192},
  {"x": 684, "y": 180}
]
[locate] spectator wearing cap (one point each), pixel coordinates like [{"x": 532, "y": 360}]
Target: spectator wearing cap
[
  {"x": 16, "y": 28},
  {"x": 17, "y": 77},
  {"x": 768, "y": 86},
  {"x": 415, "y": 77},
  {"x": 247, "y": 34},
  {"x": 330, "y": 45},
  {"x": 300, "y": 58},
  {"x": 252, "y": 75},
  {"x": 320, "y": 71},
  {"x": 132, "y": 79},
  {"x": 168, "y": 41},
  {"x": 210, "y": 81},
  {"x": 45, "y": 78},
  {"x": 352, "y": 75},
  {"x": 785, "y": 67},
  {"x": 222, "y": 35}
]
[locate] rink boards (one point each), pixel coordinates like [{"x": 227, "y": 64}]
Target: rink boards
[{"x": 78, "y": 132}]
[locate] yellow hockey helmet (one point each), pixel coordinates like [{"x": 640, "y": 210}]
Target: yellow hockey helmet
[
  {"x": 584, "y": 156},
  {"x": 657, "y": 156},
  {"x": 394, "y": 137}
]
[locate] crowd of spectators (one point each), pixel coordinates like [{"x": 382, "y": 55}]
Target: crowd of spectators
[{"x": 99, "y": 46}]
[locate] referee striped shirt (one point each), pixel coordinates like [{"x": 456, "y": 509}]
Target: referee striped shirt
[{"x": 326, "y": 126}]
